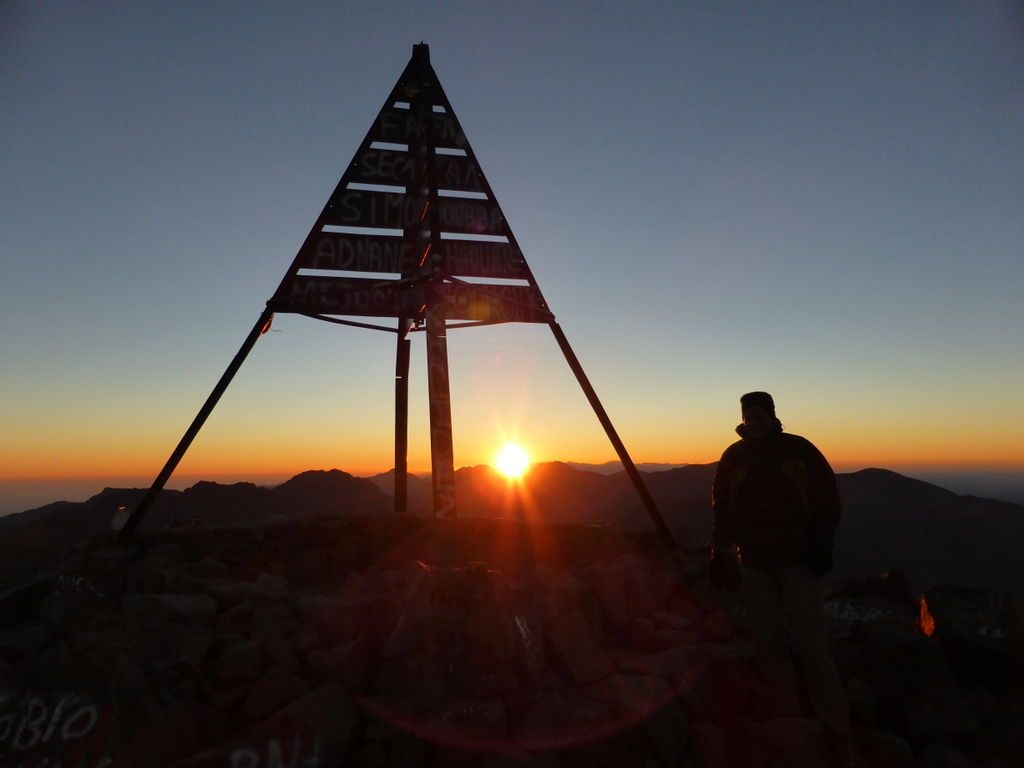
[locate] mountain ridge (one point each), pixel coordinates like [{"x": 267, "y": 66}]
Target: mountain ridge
[{"x": 889, "y": 519}]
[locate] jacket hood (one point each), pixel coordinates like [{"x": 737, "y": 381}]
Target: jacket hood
[{"x": 742, "y": 431}]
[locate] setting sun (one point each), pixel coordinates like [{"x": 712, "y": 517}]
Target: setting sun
[{"x": 512, "y": 461}]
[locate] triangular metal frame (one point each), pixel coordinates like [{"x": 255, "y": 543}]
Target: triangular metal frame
[{"x": 415, "y": 205}]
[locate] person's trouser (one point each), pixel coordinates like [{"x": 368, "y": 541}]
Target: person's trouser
[{"x": 785, "y": 612}]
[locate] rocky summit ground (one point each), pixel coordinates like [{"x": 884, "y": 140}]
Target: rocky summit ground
[{"x": 404, "y": 641}]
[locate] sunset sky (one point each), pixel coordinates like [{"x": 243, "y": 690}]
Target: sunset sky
[{"x": 822, "y": 200}]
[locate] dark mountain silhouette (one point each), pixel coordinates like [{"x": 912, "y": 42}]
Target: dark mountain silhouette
[
  {"x": 889, "y": 520},
  {"x": 330, "y": 491},
  {"x": 612, "y": 467},
  {"x": 43, "y": 536},
  {"x": 417, "y": 487}
]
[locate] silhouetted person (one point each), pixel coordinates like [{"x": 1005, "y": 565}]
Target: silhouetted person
[{"x": 775, "y": 499}]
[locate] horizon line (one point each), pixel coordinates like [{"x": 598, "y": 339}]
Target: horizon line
[{"x": 838, "y": 467}]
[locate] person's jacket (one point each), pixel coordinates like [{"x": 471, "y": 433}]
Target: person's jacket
[{"x": 775, "y": 497}]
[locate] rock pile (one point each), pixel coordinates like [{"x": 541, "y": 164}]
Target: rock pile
[{"x": 385, "y": 641}]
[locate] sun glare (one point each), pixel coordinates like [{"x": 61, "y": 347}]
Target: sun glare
[{"x": 512, "y": 461}]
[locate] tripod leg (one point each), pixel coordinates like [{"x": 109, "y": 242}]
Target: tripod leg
[
  {"x": 609, "y": 429},
  {"x": 154, "y": 490}
]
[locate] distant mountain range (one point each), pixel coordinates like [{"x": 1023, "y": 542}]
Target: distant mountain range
[{"x": 889, "y": 520}]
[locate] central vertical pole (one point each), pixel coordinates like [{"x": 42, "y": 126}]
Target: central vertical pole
[
  {"x": 442, "y": 455},
  {"x": 402, "y": 418},
  {"x": 423, "y": 97}
]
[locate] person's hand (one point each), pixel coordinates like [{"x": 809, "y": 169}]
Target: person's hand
[
  {"x": 721, "y": 568},
  {"x": 821, "y": 552}
]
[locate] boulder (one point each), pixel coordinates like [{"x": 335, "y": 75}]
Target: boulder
[
  {"x": 468, "y": 722},
  {"x": 555, "y": 593},
  {"x": 670, "y": 620},
  {"x": 420, "y": 676},
  {"x": 667, "y": 728},
  {"x": 781, "y": 743},
  {"x": 173, "y": 643},
  {"x": 324, "y": 717},
  {"x": 845, "y": 614},
  {"x": 902, "y": 668},
  {"x": 973, "y": 626},
  {"x": 892, "y": 586},
  {"x": 198, "y": 609},
  {"x": 21, "y": 603},
  {"x": 641, "y": 637},
  {"x": 21, "y": 639},
  {"x": 209, "y": 568},
  {"x": 678, "y": 666},
  {"x": 684, "y": 605},
  {"x": 862, "y": 702},
  {"x": 272, "y": 691},
  {"x": 628, "y": 587},
  {"x": 576, "y": 647},
  {"x": 240, "y": 661},
  {"x": 347, "y": 663},
  {"x": 166, "y": 734},
  {"x": 339, "y": 620},
  {"x": 471, "y": 620},
  {"x": 548, "y": 721},
  {"x": 881, "y": 749},
  {"x": 519, "y": 759},
  {"x": 278, "y": 646},
  {"x": 636, "y": 696},
  {"x": 800, "y": 741},
  {"x": 710, "y": 745},
  {"x": 726, "y": 685},
  {"x": 945, "y": 755},
  {"x": 936, "y": 719}
]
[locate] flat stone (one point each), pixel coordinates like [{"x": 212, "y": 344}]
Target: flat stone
[
  {"x": 801, "y": 741},
  {"x": 936, "y": 719},
  {"x": 945, "y": 756},
  {"x": 577, "y": 648},
  {"x": 710, "y": 745},
  {"x": 632, "y": 694},
  {"x": 348, "y": 663},
  {"x": 881, "y": 749},
  {"x": 241, "y": 661},
  {"x": 272, "y": 691},
  {"x": 672, "y": 620},
  {"x": 278, "y": 647},
  {"x": 195, "y": 608},
  {"x": 327, "y": 715},
  {"x": 208, "y": 568}
]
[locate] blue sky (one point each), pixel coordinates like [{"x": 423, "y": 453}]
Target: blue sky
[{"x": 819, "y": 199}]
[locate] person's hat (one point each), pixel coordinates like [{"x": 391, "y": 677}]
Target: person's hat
[{"x": 758, "y": 400}]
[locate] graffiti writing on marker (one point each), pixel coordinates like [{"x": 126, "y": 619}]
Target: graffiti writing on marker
[
  {"x": 362, "y": 253},
  {"x": 274, "y": 754},
  {"x": 404, "y": 127}
]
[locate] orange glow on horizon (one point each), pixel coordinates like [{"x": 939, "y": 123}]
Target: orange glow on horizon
[{"x": 243, "y": 449}]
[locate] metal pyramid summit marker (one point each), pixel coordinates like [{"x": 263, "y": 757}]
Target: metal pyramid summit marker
[
  {"x": 412, "y": 232},
  {"x": 415, "y": 204}
]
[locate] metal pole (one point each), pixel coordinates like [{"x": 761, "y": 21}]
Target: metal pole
[
  {"x": 154, "y": 490},
  {"x": 602, "y": 416},
  {"x": 402, "y": 418}
]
